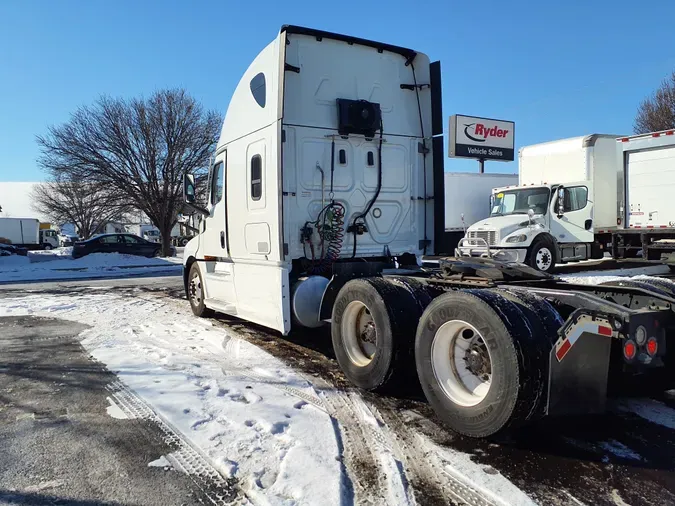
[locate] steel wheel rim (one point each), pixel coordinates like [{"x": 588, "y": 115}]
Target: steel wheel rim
[
  {"x": 464, "y": 377},
  {"x": 359, "y": 333},
  {"x": 195, "y": 289},
  {"x": 544, "y": 258}
]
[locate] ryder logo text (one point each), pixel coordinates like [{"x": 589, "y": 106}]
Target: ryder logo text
[{"x": 480, "y": 133}]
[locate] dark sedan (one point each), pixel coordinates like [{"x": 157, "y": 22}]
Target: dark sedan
[{"x": 118, "y": 243}]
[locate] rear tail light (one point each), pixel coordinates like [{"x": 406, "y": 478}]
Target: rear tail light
[
  {"x": 652, "y": 346},
  {"x": 629, "y": 349}
]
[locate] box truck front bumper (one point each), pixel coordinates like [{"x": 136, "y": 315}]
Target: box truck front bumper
[{"x": 480, "y": 248}]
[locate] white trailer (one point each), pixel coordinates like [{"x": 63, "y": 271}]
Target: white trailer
[
  {"x": 646, "y": 185},
  {"x": 25, "y": 232},
  {"x": 325, "y": 192}
]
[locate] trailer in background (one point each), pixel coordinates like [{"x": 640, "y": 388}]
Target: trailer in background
[
  {"x": 467, "y": 201},
  {"x": 646, "y": 197}
]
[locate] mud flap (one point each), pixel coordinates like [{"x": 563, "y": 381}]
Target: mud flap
[{"x": 579, "y": 366}]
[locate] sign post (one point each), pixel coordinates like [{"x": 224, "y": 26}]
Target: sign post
[{"x": 481, "y": 139}]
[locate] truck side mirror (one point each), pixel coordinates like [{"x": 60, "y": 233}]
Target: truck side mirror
[
  {"x": 530, "y": 215},
  {"x": 561, "y": 201},
  {"x": 189, "y": 188}
]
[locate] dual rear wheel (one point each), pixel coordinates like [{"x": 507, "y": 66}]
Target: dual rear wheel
[{"x": 480, "y": 356}]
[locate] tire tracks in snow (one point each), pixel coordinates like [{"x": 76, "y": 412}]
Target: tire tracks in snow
[
  {"x": 185, "y": 457},
  {"x": 393, "y": 457}
]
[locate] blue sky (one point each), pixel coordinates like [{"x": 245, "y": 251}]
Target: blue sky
[{"x": 557, "y": 68}]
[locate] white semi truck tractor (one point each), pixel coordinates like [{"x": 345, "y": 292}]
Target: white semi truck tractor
[
  {"x": 326, "y": 190},
  {"x": 580, "y": 198}
]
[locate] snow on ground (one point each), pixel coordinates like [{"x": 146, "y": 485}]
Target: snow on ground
[
  {"x": 49, "y": 255},
  {"x": 649, "y": 409},
  {"x": 620, "y": 450},
  {"x": 281, "y": 450},
  {"x": 236, "y": 403},
  {"x": 484, "y": 478},
  {"x": 35, "y": 266},
  {"x": 596, "y": 277}
]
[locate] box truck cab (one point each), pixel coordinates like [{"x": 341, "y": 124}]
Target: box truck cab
[{"x": 567, "y": 191}]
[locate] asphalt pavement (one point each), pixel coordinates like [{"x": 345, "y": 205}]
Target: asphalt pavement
[{"x": 58, "y": 442}]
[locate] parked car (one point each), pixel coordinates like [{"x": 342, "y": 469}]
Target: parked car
[
  {"x": 10, "y": 249},
  {"x": 118, "y": 243}
]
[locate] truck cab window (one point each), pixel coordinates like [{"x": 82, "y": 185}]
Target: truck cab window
[
  {"x": 217, "y": 183},
  {"x": 576, "y": 198},
  {"x": 258, "y": 89},
  {"x": 256, "y": 177},
  {"x": 519, "y": 201}
]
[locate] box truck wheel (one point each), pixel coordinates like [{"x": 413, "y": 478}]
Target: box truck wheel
[
  {"x": 195, "y": 292},
  {"x": 373, "y": 327},
  {"x": 481, "y": 361},
  {"x": 542, "y": 254},
  {"x": 46, "y": 246}
]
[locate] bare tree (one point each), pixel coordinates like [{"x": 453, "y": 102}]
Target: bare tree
[
  {"x": 658, "y": 111},
  {"x": 141, "y": 148},
  {"x": 89, "y": 206}
]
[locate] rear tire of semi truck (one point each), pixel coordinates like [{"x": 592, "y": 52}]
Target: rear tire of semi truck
[
  {"x": 481, "y": 360},
  {"x": 373, "y": 327}
]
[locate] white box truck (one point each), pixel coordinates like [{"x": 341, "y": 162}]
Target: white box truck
[
  {"x": 572, "y": 198},
  {"x": 26, "y": 233},
  {"x": 326, "y": 190}
]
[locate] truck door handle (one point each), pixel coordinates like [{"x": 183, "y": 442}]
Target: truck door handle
[
  {"x": 588, "y": 224},
  {"x": 222, "y": 239}
]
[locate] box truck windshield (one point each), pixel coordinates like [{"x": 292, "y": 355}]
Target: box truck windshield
[{"x": 521, "y": 201}]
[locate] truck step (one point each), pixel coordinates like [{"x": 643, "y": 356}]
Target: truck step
[{"x": 221, "y": 306}]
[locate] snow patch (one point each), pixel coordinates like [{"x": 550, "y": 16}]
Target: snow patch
[
  {"x": 37, "y": 267},
  {"x": 161, "y": 462},
  {"x": 494, "y": 486},
  {"x": 115, "y": 411},
  {"x": 649, "y": 409},
  {"x": 597, "y": 277},
  {"x": 620, "y": 450}
]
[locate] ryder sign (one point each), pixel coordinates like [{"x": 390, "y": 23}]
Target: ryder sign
[{"x": 481, "y": 138}]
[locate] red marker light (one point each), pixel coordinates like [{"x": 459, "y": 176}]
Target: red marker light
[
  {"x": 629, "y": 350},
  {"x": 652, "y": 346}
]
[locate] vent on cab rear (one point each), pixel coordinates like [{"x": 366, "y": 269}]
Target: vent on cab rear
[{"x": 358, "y": 117}]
